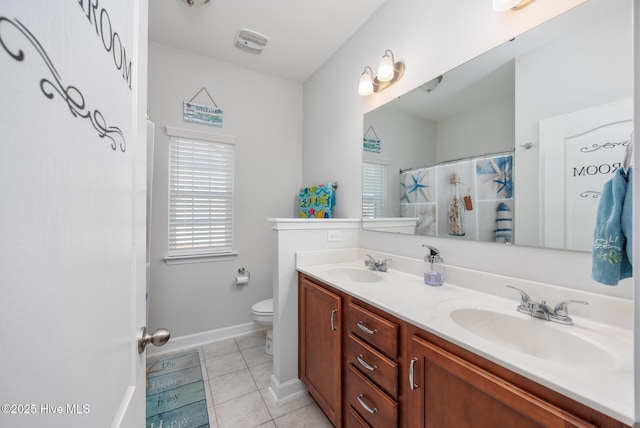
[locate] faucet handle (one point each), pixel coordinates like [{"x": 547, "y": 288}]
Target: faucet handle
[
  {"x": 561, "y": 311},
  {"x": 526, "y": 300},
  {"x": 383, "y": 265}
]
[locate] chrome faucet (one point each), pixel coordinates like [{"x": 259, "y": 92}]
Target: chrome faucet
[
  {"x": 372, "y": 264},
  {"x": 559, "y": 313}
]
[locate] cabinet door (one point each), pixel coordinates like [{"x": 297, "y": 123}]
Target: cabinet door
[
  {"x": 447, "y": 391},
  {"x": 320, "y": 346}
]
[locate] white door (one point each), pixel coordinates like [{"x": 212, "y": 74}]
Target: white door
[
  {"x": 72, "y": 212},
  {"x": 580, "y": 151}
]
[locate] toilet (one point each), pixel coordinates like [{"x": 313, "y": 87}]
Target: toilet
[{"x": 262, "y": 314}]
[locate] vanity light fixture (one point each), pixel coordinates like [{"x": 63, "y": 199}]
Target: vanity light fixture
[
  {"x": 504, "y": 5},
  {"x": 192, "y": 3},
  {"x": 389, "y": 72}
]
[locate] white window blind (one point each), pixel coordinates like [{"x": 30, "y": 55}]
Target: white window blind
[
  {"x": 200, "y": 197},
  {"x": 374, "y": 190}
]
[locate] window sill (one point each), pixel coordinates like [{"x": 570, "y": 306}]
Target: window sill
[{"x": 199, "y": 258}]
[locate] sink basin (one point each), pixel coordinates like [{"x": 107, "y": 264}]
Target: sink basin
[
  {"x": 355, "y": 274},
  {"x": 538, "y": 338}
]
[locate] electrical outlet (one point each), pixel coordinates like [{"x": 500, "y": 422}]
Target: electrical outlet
[{"x": 334, "y": 235}]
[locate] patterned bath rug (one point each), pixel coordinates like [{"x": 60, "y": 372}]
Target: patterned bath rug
[{"x": 175, "y": 391}]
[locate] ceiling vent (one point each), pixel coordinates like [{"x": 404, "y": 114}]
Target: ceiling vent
[{"x": 251, "y": 41}]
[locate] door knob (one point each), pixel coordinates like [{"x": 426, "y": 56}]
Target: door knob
[{"x": 157, "y": 338}]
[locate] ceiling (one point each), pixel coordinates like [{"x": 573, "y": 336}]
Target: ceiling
[{"x": 302, "y": 34}]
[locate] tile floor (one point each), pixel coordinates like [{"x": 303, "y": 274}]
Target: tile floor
[{"x": 236, "y": 374}]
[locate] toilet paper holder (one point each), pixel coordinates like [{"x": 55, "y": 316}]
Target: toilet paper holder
[{"x": 243, "y": 276}]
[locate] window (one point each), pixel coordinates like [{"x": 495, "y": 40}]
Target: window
[
  {"x": 201, "y": 169},
  {"x": 374, "y": 190}
]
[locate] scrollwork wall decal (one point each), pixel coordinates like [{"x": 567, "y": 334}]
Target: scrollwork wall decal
[
  {"x": 595, "y": 147},
  {"x": 70, "y": 94},
  {"x": 590, "y": 193}
]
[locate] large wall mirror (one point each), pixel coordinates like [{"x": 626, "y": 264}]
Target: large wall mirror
[{"x": 523, "y": 137}]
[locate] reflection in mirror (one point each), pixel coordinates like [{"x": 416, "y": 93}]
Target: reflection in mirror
[{"x": 513, "y": 146}]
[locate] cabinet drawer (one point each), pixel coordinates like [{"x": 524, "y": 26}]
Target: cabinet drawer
[
  {"x": 374, "y": 329},
  {"x": 354, "y": 420},
  {"x": 373, "y": 405},
  {"x": 373, "y": 365}
]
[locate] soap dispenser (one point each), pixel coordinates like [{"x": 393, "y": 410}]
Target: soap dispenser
[{"x": 433, "y": 267}]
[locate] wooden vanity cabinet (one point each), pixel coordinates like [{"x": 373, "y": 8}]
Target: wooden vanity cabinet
[
  {"x": 448, "y": 391},
  {"x": 370, "y": 369},
  {"x": 320, "y": 346},
  {"x": 351, "y": 368},
  {"x": 454, "y": 387}
]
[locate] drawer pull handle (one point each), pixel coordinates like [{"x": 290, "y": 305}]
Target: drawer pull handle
[
  {"x": 411, "y": 382},
  {"x": 366, "y": 329},
  {"x": 364, "y": 406},
  {"x": 333, "y": 323},
  {"x": 364, "y": 364}
]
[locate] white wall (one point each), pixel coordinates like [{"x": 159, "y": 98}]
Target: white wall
[
  {"x": 289, "y": 237},
  {"x": 264, "y": 113},
  {"x": 430, "y": 37},
  {"x": 488, "y": 129}
]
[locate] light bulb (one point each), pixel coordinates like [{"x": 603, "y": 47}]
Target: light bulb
[
  {"x": 366, "y": 82},
  {"x": 385, "y": 68}
]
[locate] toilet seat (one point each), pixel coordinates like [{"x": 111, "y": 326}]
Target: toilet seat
[{"x": 264, "y": 307}]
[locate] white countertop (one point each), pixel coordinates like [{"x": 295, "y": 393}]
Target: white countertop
[{"x": 606, "y": 386}]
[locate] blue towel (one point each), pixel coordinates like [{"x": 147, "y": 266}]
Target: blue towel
[
  {"x": 627, "y": 216},
  {"x": 610, "y": 259},
  {"x": 317, "y": 201}
]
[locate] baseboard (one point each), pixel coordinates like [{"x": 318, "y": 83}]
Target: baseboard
[
  {"x": 198, "y": 339},
  {"x": 286, "y": 391}
]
